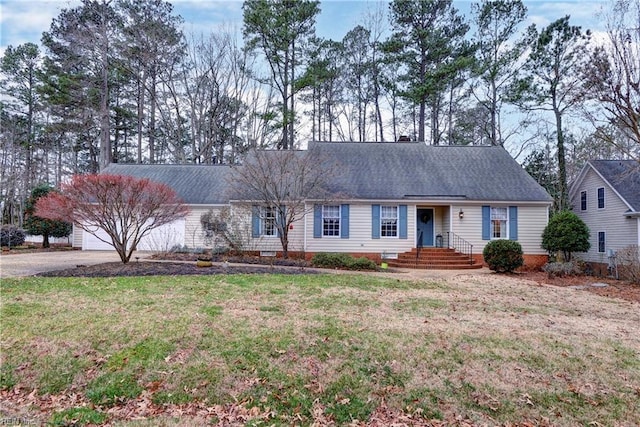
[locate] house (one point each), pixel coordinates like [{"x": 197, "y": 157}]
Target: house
[
  {"x": 396, "y": 200},
  {"x": 606, "y": 196}
]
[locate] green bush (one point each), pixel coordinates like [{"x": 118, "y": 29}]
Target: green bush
[
  {"x": 331, "y": 260},
  {"x": 340, "y": 260},
  {"x": 566, "y": 233},
  {"x": 503, "y": 256},
  {"x": 362, "y": 263}
]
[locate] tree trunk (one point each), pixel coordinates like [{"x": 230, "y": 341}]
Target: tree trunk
[
  {"x": 563, "y": 202},
  {"x": 421, "y": 121}
]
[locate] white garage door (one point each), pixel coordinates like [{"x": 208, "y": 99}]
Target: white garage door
[{"x": 160, "y": 239}]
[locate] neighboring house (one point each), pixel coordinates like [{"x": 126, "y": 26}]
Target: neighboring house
[
  {"x": 606, "y": 196},
  {"x": 394, "y": 198}
]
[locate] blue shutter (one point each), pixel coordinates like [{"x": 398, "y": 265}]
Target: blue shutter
[
  {"x": 281, "y": 219},
  {"x": 403, "y": 222},
  {"x": 317, "y": 221},
  {"x": 513, "y": 223},
  {"x": 255, "y": 221},
  {"x": 375, "y": 221},
  {"x": 344, "y": 221},
  {"x": 486, "y": 223}
]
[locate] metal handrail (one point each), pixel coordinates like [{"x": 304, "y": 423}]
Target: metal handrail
[
  {"x": 460, "y": 245},
  {"x": 419, "y": 247}
]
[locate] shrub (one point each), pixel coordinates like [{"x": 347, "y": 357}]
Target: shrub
[
  {"x": 340, "y": 260},
  {"x": 330, "y": 260},
  {"x": 629, "y": 263},
  {"x": 362, "y": 263},
  {"x": 567, "y": 233},
  {"x": 10, "y": 235},
  {"x": 561, "y": 269},
  {"x": 503, "y": 256}
]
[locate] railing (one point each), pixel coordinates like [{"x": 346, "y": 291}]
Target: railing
[
  {"x": 460, "y": 245},
  {"x": 419, "y": 247}
]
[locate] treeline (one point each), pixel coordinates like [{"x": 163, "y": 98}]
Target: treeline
[{"x": 119, "y": 81}]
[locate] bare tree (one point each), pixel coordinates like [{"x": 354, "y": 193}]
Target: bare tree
[
  {"x": 612, "y": 76},
  {"x": 276, "y": 186}
]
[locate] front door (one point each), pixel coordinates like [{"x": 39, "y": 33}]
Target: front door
[{"x": 425, "y": 227}]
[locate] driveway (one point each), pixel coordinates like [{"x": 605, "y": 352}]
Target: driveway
[{"x": 39, "y": 262}]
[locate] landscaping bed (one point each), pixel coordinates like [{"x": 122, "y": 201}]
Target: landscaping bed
[{"x": 151, "y": 268}]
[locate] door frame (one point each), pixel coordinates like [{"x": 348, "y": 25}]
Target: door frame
[{"x": 420, "y": 226}]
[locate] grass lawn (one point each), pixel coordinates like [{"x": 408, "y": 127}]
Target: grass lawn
[{"x": 324, "y": 349}]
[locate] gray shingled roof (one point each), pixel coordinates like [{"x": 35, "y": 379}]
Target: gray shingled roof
[
  {"x": 383, "y": 171},
  {"x": 415, "y": 170},
  {"x": 624, "y": 176},
  {"x": 195, "y": 184}
]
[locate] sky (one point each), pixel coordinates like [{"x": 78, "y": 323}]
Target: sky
[{"x": 24, "y": 21}]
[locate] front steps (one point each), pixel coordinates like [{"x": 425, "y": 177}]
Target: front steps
[{"x": 434, "y": 259}]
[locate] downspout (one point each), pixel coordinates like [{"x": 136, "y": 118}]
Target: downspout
[{"x": 304, "y": 228}]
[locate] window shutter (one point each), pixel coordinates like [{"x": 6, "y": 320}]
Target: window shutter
[
  {"x": 255, "y": 221},
  {"x": 513, "y": 223},
  {"x": 344, "y": 221},
  {"x": 317, "y": 221},
  {"x": 375, "y": 221},
  {"x": 486, "y": 223},
  {"x": 281, "y": 219},
  {"x": 402, "y": 226}
]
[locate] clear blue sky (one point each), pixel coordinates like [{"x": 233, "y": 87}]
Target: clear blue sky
[{"x": 24, "y": 20}]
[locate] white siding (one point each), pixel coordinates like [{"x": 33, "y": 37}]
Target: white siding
[
  {"x": 531, "y": 223},
  {"x": 620, "y": 231},
  {"x": 194, "y": 235},
  {"x": 532, "y": 219},
  {"x": 76, "y": 237},
  {"x": 360, "y": 240}
]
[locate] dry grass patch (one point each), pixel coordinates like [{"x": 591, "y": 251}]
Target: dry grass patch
[{"x": 250, "y": 349}]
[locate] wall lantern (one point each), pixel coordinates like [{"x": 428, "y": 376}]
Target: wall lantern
[{"x": 460, "y": 214}]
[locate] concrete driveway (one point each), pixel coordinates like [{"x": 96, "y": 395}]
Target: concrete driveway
[{"x": 39, "y": 262}]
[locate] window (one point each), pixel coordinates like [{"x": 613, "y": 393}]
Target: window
[
  {"x": 499, "y": 217},
  {"x": 601, "y": 241},
  {"x": 331, "y": 221},
  {"x": 583, "y": 200},
  {"x": 268, "y": 221},
  {"x": 389, "y": 221},
  {"x": 601, "y": 198}
]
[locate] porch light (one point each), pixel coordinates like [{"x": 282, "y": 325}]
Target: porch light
[{"x": 460, "y": 214}]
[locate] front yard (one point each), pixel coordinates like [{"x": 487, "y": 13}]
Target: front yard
[{"x": 324, "y": 349}]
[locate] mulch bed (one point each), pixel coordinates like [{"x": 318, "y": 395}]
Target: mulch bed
[
  {"x": 614, "y": 289},
  {"x": 148, "y": 268}
]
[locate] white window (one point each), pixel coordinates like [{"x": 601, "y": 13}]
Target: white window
[
  {"x": 389, "y": 221},
  {"x": 268, "y": 221},
  {"x": 499, "y": 223},
  {"x": 331, "y": 221}
]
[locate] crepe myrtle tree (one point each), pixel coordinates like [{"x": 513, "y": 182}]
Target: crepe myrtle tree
[
  {"x": 277, "y": 184},
  {"x": 126, "y": 208}
]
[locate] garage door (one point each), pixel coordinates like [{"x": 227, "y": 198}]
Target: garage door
[{"x": 160, "y": 239}]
